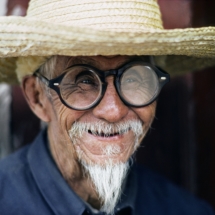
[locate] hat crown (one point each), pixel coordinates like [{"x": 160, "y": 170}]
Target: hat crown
[{"x": 117, "y": 15}]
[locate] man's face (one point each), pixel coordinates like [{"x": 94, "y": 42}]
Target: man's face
[{"x": 92, "y": 146}]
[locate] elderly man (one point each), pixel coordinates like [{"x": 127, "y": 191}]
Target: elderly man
[{"x": 91, "y": 76}]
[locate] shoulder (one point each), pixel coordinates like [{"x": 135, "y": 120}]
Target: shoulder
[
  {"x": 18, "y": 189},
  {"x": 163, "y": 197},
  {"x": 14, "y": 164},
  {"x": 14, "y": 175},
  {"x": 17, "y": 164},
  {"x": 14, "y": 171}
]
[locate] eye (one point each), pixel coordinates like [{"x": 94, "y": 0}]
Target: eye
[
  {"x": 85, "y": 77},
  {"x": 84, "y": 80},
  {"x": 87, "y": 81},
  {"x": 130, "y": 79}
]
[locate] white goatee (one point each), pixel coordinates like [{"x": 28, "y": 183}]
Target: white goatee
[{"x": 107, "y": 180}]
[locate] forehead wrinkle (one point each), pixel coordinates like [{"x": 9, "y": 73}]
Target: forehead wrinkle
[
  {"x": 63, "y": 62},
  {"x": 70, "y": 61}
]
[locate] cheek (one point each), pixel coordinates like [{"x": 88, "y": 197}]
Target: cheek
[
  {"x": 64, "y": 117},
  {"x": 146, "y": 114},
  {"x": 60, "y": 142}
]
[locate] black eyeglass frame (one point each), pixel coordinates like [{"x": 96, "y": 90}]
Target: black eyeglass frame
[{"x": 163, "y": 78}]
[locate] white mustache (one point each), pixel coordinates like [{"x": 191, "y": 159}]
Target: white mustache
[{"x": 105, "y": 129}]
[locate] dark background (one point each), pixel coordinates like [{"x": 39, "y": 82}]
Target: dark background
[{"x": 181, "y": 142}]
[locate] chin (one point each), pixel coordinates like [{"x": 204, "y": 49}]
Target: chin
[{"x": 103, "y": 159}]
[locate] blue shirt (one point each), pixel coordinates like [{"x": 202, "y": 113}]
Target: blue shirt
[{"x": 31, "y": 184}]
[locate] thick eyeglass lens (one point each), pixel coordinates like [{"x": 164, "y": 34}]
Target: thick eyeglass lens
[
  {"x": 138, "y": 85},
  {"x": 80, "y": 87}
]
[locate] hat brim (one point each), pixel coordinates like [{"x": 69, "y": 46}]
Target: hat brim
[{"x": 25, "y": 36}]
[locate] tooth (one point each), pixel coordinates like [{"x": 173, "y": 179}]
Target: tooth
[{"x": 99, "y": 130}]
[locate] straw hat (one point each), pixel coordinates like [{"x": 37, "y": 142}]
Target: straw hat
[{"x": 98, "y": 27}]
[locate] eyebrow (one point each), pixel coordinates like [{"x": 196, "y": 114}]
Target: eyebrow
[{"x": 81, "y": 60}]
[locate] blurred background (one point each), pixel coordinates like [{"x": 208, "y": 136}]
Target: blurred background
[{"x": 181, "y": 142}]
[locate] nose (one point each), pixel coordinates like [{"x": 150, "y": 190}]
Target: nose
[{"x": 111, "y": 108}]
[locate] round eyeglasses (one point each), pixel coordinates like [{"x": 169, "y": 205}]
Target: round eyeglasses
[{"x": 82, "y": 87}]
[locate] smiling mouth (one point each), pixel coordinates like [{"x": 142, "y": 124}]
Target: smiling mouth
[{"x": 102, "y": 134}]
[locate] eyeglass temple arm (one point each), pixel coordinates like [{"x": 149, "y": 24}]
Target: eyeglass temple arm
[{"x": 41, "y": 77}]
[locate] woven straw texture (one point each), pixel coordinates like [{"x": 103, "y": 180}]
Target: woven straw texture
[{"x": 98, "y": 27}]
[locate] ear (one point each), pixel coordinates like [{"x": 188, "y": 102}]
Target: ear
[{"x": 36, "y": 98}]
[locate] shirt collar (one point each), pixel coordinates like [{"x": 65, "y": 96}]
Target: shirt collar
[{"x": 55, "y": 190}]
